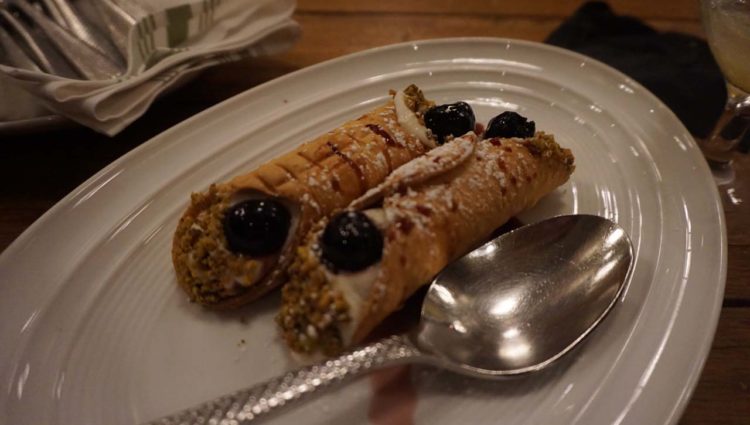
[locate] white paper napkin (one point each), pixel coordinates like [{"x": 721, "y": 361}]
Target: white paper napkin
[{"x": 168, "y": 45}]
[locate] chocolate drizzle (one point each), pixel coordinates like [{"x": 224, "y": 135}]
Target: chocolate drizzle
[
  {"x": 424, "y": 210},
  {"x": 404, "y": 225},
  {"x": 380, "y": 131},
  {"x": 336, "y": 151},
  {"x": 376, "y": 129}
]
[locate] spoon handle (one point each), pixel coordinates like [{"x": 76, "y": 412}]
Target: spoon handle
[{"x": 244, "y": 406}]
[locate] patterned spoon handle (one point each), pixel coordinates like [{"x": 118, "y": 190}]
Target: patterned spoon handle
[{"x": 244, "y": 406}]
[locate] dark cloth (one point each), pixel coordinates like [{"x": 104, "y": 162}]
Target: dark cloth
[{"x": 678, "y": 68}]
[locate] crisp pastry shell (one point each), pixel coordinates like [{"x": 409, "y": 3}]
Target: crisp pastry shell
[
  {"x": 435, "y": 208},
  {"x": 315, "y": 179}
]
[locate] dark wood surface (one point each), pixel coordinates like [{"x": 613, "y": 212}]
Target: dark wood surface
[{"x": 37, "y": 170}]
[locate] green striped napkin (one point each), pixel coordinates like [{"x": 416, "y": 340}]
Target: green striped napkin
[{"x": 167, "y": 42}]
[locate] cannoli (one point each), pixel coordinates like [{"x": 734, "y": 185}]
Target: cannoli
[
  {"x": 360, "y": 265},
  {"x": 234, "y": 241}
]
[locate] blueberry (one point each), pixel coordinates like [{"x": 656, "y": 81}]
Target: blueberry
[
  {"x": 454, "y": 119},
  {"x": 510, "y": 124},
  {"x": 257, "y": 226},
  {"x": 351, "y": 242}
]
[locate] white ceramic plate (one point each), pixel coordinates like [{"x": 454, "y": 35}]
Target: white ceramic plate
[{"x": 94, "y": 329}]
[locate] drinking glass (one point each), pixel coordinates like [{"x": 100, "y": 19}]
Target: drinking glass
[{"x": 727, "y": 27}]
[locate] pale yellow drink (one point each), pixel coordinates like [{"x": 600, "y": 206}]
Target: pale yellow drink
[{"x": 727, "y": 25}]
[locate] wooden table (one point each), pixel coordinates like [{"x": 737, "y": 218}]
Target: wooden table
[{"x": 37, "y": 170}]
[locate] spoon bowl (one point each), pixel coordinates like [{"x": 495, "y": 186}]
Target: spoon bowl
[
  {"x": 519, "y": 302},
  {"x": 512, "y": 306}
]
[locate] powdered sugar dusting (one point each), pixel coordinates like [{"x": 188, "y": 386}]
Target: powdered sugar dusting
[
  {"x": 494, "y": 168},
  {"x": 433, "y": 163},
  {"x": 437, "y": 160},
  {"x": 308, "y": 200}
]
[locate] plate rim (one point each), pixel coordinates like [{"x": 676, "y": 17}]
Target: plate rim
[
  {"x": 335, "y": 61},
  {"x": 712, "y": 322}
]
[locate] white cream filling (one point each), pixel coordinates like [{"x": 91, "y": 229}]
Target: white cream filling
[
  {"x": 408, "y": 119},
  {"x": 263, "y": 264},
  {"x": 355, "y": 287}
]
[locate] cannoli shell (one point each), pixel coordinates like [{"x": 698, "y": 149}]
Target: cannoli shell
[
  {"x": 317, "y": 178},
  {"x": 433, "y": 221}
]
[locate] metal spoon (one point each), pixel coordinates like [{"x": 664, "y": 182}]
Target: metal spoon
[{"x": 511, "y": 306}]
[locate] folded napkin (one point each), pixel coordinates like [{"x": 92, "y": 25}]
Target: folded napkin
[
  {"x": 170, "y": 42},
  {"x": 23, "y": 105},
  {"x": 677, "y": 68}
]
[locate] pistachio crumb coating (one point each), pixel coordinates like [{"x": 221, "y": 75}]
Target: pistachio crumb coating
[
  {"x": 201, "y": 236},
  {"x": 311, "y": 308},
  {"x": 416, "y": 101},
  {"x": 545, "y": 146}
]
